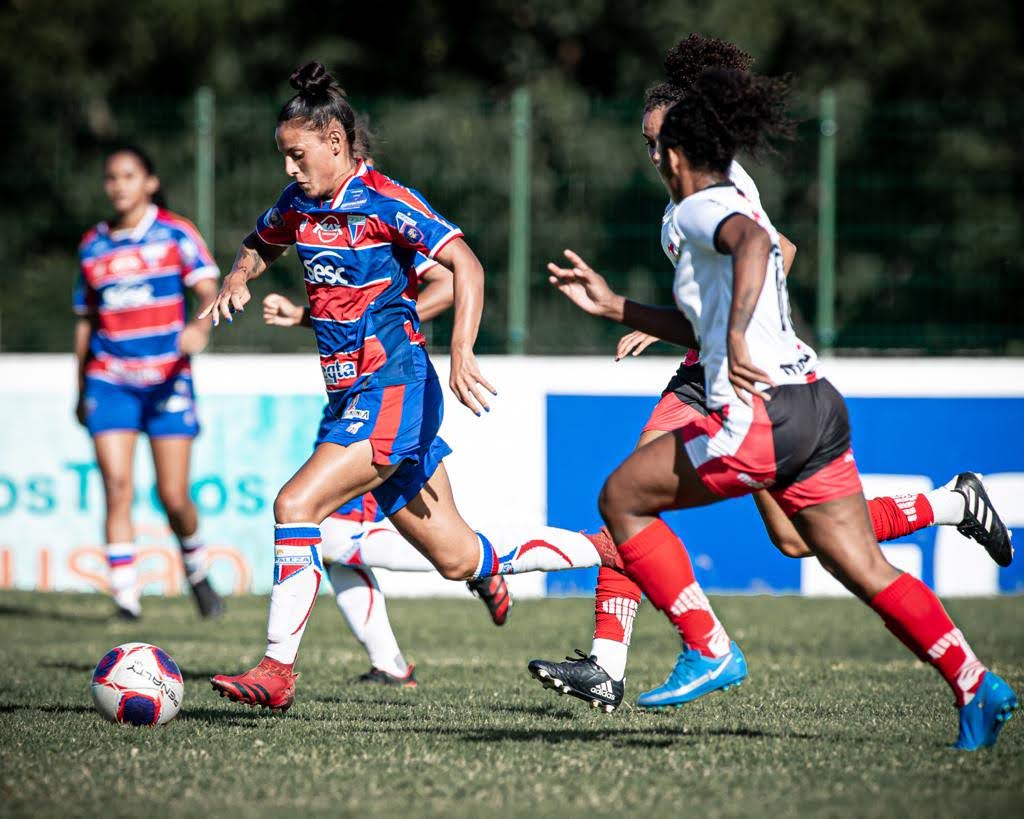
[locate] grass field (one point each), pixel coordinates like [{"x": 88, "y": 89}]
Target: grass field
[{"x": 836, "y": 719}]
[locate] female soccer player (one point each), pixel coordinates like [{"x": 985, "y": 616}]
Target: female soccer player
[
  {"x": 133, "y": 348},
  {"x": 357, "y": 232},
  {"x": 772, "y": 423},
  {"x": 710, "y": 661},
  {"x": 353, "y": 541}
]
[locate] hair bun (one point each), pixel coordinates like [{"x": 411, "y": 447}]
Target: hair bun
[{"x": 313, "y": 80}]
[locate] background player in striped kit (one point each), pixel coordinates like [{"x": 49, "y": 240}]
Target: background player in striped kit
[
  {"x": 962, "y": 502},
  {"x": 133, "y": 346}
]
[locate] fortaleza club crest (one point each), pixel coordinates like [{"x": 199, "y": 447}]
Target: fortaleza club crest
[
  {"x": 407, "y": 229},
  {"x": 356, "y": 227}
]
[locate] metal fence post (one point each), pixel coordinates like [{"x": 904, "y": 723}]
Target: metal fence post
[
  {"x": 519, "y": 224},
  {"x": 204, "y": 163},
  {"x": 827, "y": 128}
]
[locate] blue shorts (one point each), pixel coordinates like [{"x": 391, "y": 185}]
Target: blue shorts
[
  {"x": 401, "y": 423},
  {"x": 161, "y": 411}
]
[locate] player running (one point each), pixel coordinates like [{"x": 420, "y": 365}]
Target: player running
[
  {"x": 133, "y": 346},
  {"x": 710, "y": 661},
  {"x": 772, "y": 421},
  {"x": 357, "y": 232},
  {"x": 355, "y": 540}
]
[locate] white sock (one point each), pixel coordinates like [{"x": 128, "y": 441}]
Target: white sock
[
  {"x": 361, "y": 603},
  {"x": 124, "y": 577},
  {"x": 384, "y": 548},
  {"x": 537, "y": 549},
  {"x": 611, "y": 656},
  {"x": 947, "y": 505},
  {"x": 193, "y": 555},
  {"x": 297, "y": 572}
]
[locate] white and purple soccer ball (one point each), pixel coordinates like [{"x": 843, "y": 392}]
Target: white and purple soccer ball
[{"x": 137, "y": 684}]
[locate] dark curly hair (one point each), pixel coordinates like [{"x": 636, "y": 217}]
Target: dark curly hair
[
  {"x": 321, "y": 100},
  {"x": 726, "y": 111},
  {"x": 685, "y": 62}
]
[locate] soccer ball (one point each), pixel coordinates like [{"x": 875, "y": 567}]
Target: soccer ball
[{"x": 137, "y": 684}]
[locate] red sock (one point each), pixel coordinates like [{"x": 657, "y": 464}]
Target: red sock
[
  {"x": 896, "y": 516},
  {"x": 615, "y": 603},
  {"x": 657, "y": 560},
  {"x": 914, "y": 614}
]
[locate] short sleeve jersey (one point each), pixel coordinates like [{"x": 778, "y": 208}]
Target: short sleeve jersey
[
  {"x": 672, "y": 240},
  {"x": 361, "y": 251},
  {"x": 132, "y": 282},
  {"x": 703, "y": 292}
]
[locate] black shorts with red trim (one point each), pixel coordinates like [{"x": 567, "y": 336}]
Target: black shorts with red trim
[
  {"x": 796, "y": 445},
  {"x": 682, "y": 396}
]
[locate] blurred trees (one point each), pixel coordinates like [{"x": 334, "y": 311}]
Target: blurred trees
[{"x": 930, "y": 141}]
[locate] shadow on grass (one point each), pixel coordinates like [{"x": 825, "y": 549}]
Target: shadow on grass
[
  {"x": 51, "y": 614},
  {"x": 52, "y": 708},
  {"x": 69, "y": 665}
]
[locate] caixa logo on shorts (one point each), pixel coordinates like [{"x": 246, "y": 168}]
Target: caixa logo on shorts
[
  {"x": 325, "y": 268},
  {"x": 338, "y": 371}
]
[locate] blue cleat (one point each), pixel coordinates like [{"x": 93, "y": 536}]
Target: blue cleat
[
  {"x": 696, "y": 675},
  {"x": 983, "y": 717}
]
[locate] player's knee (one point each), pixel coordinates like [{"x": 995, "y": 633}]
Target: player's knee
[
  {"x": 612, "y": 502},
  {"x": 119, "y": 492},
  {"x": 289, "y": 507},
  {"x": 176, "y": 502}
]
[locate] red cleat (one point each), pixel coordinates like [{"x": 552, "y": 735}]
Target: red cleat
[
  {"x": 269, "y": 685},
  {"x": 606, "y": 548},
  {"x": 495, "y": 594}
]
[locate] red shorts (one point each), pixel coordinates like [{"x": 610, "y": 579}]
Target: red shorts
[
  {"x": 682, "y": 400},
  {"x": 797, "y": 446}
]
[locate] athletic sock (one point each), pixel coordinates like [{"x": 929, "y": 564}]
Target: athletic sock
[
  {"x": 657, "y": 561},
  {"x": 912, "y": 612},
  {"x": 193, "y": 555},
  {"x": 386, "y": 549},
  {"x": 297, "y": 572},
  {"x": 537, "y": 549},
  {"x": 362, "y": 604},
  {"x": 124, "y": 577},
  {"x": 899, "y": 515},
  {"x": 616, "y": 600},
  {"x": 948, "y": 505}
]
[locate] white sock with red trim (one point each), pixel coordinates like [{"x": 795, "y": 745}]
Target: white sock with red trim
[
  {"x": 536, "y": 549},
  {"x": 361, "y": 603},
  {"x": 297, "y": 572},
  {"x": 947, "y": 504},
  {"x": 124, "y": 577}
]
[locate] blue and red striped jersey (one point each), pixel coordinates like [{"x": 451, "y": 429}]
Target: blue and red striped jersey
[
  {"x": 133, "y": 282},
  {"x": 359, "y": 254}
]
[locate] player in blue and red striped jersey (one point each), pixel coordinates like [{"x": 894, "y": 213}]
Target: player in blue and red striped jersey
[
  {"x": 355, "y": 539},
  {"x": 133, "y": 345},
  {"x": 356, "y": 233}
]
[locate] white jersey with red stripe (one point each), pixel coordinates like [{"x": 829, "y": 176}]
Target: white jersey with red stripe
[
  {"x": 703, "y": 291},
  {"x": 672, "y": 239}
]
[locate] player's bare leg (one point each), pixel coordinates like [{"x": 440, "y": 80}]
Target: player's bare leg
[
  {"x": 115, "y": 455},
  {"x": 171, "y": 460}
]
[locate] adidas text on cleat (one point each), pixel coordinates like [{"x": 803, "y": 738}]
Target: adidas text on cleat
[
  {"x": 495, "y": 595},
  {"x": 582, "y": 678},
  {"x": 269, "y": 685},
  {"x": 208, "y": 601},
  {"x": 984, "y": 716},
  {"x": 377, "y": 676},
  {"x": 981, "y": 522},
  {"x": 694, "y": 676}
]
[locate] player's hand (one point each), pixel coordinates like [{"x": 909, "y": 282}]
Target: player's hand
[
  {"x": 743, "y": 375},
  {"x": 233, "y": 296},
  {"x": 194, "y": 338},
  {"x": 466, "y": 381},
  {"x": 279, "y": 311},
  {"x": 584, "y": 287},
  {"x": 633, "y": 344}
]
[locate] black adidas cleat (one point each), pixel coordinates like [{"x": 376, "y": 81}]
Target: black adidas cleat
[
  {"x": 208, "y": 601},
  {"x": 378, "y": 676},
  {"x": 981, "y": 521},
  {"x": 127, "y": 615},
  {"x": 494, "y": 593},
  {"x": 582, "y": 678}
]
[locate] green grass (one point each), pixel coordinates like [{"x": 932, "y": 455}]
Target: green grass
[{"x": 836, "y": 719}]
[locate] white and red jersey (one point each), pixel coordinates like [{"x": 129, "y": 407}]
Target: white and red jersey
[
  {"x": 703, "y": 290},
  {"x": 133, "y": 282},
  {"x": 672, "y": 239}
]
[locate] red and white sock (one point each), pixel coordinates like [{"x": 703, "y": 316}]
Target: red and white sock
[
  {"x": 534, "y": 549},
  {"x": 657, "y": 561},
  {"x": 124, "y": 577},
  {"x": 616, "y": 601},
  {"x": 362, "y": 604},
  {"x": 912, "y": 612},
  {"x": 297, "y": 572},
  {"x": 894, "y": 516}
]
